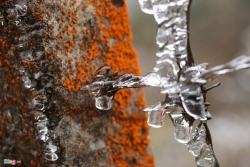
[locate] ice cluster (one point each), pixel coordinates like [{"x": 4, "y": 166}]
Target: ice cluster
[{"x": 38, "y": 81}]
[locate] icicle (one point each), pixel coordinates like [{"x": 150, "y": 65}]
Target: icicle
[
  {"x": 103, "y": 102},
  {"x": 182, "y": 128},
  {"x": 156, "y": 118}
]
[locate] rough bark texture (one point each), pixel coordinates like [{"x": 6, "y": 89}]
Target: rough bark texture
[{"x": 48, "y": 52}]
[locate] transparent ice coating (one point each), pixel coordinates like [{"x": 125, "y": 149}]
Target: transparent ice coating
[
  {"x": 200, "y": 146},
  {"x": 95, "y": 86},
  {"x": 239, "y": 63},
  {"x": 41, "y": 125},
  {"x": 165, "y": 53},
  {"x": 198, "y": 142},
  {"x": 192, "y": 101},
  {"x": 162, "y": 10},
  {"x": 167, "y": 71},
  {"x": 151, "y": 79},
  {"x": 127, "y": 81},
  {"x": 104, "y": 102},
  {"x": 165, "y": 35},
  {"x": 182, "y": 128},
  {"x": 49, "y": 152},
  {"x": 206, "y": 158},
  {"x": 172, "y": 34}
]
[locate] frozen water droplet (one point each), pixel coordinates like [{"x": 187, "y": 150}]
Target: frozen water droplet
[
  {"x": 146, "y": 6},
  {"x": 192, "y": 101},
  {"x": 104, "y": 102},
  {"x": 51, "y": 156},
  {"x": 151, "y": 79},
  {"x": 156, "y": 118},
  {"x": 182, "y": 129}
]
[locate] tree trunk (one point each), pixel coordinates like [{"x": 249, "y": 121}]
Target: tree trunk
[{"x": 50, "y": 49}]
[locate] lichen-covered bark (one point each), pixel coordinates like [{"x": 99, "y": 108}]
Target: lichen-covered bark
[{"x": 50, "y": 49}]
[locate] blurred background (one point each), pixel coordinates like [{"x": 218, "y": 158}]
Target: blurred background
[{"x": 220, "y": 31}]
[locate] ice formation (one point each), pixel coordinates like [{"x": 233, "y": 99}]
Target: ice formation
[
  {"x": 179, "y": 78},
  {"x": 39, "y": 83}
]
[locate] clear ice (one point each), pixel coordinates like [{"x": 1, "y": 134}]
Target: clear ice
[
  {"x": 238, "y": 63},
  {"x": 156, "y": 118},
  {"x": 201, "y": 147},
  {"x": 182, "y": 128},
  {"x": 103, "y": 102},
  {"x": 151, "y": 79},
  {"x": 146, "y": 6},
  {"x": 49, "y": 152},
  {"x": 192, "y": 101}
]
